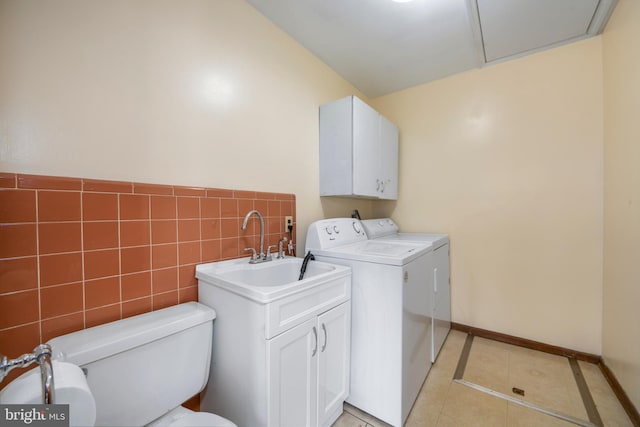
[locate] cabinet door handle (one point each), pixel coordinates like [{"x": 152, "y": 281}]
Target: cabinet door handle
[
  {"x": 315, "y": 334},
  {"x": 326, "y": 338}
]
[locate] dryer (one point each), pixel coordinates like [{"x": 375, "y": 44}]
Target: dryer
[
  {"x": 385, "y": 229},
  {"x": 391, "y": 315}
]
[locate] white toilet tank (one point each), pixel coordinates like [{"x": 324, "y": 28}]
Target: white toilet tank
[{"x": 140, "y": 368}]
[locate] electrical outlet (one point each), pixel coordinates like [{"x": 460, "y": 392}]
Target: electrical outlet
[{"x": 288, "y": 222}]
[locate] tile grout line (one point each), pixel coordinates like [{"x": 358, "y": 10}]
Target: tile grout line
[
  {"x": 367, "y": 423},
  {"x": 149, "y": 214},
  {"x": 177, "y": 224},
  {"x": 39, "y": 274},
  {"x": 84, "y": 277},
  {"x": 587, "y": 399},
  {"x": 526, "y": 404},
  {"x": 119, "y": 222},
  {"x": 464, "y": 357}
]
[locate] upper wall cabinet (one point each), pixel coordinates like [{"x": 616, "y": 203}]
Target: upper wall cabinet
[{"x": 358, "y": 151}]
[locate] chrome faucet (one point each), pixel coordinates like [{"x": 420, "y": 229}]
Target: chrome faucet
[
  {"x": 41, "y": 355},
  {"x": 261, "y": 256}
]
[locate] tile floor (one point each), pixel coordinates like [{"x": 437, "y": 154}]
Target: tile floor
[{"x": 547, "y": 380}]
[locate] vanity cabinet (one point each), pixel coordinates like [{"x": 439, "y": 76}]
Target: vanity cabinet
[
  {"x": 282, "y": 361},
  {"x": 358, "y": 151},
  {"x": 308, "y": 370}
]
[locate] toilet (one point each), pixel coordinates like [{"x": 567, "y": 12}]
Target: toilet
[{"x": 141, "y": 369}]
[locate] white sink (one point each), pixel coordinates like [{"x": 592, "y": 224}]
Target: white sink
[{"x": 269, "y": 280}]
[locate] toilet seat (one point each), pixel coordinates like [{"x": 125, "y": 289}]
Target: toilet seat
[
  {"x": 202, "y": 419},
  {"x": 182, "y": 417}
]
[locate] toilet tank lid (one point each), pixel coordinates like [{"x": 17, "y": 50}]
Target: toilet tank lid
[{"x": 98, "y": 342}]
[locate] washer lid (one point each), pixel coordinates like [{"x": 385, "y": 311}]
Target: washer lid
[
  {"x": 436, "y": 240},
  {"x": 380, "y": 252},
  {"x": 385, "y": 249}
]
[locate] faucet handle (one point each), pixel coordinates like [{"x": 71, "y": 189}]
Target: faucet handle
[
  {"x": 267, "y": 256},
  {"x": 253, "y": 255},
  {"x": 281, "y": 248}
]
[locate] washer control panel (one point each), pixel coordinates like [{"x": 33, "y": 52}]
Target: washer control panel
[
  {"x": 329, "y": 233},
  {"x": 379, "y": 227}
]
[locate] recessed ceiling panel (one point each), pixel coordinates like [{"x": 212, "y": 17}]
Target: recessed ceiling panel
[
  {"x": 378, "y": 45},
  {"x": 381, "y": 46},
  {"x": 510, "y": 27}
]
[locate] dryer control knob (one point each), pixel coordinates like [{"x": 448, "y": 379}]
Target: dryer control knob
[{"x": 356, "y": 227}]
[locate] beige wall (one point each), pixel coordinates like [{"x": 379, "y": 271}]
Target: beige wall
[
  {"x": 621, "y": 325},
  {"x": 201, "y": 93},
  {"x": 508, "y": 161}
]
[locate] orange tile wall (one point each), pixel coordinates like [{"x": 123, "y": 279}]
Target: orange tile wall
[{"x": 76, "y": 253}]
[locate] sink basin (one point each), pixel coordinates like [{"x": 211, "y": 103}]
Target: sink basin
[{"x": 269, "y": 280}]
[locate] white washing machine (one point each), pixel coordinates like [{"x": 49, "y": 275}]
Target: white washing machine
[
  {"x": 391, "y": 315},
  {"x": 386, "y": 230}
]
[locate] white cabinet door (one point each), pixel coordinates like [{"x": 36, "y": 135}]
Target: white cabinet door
[
  {"x": 292, "y": 375},
  {"x": 336, "y": 148},
  {"x": 334, "y": 340},
  {"x": 388, "y": 186},
  {"x": 366, "y": 149}
]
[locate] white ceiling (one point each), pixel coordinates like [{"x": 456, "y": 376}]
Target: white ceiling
[{"x": 381, "y": 46}]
